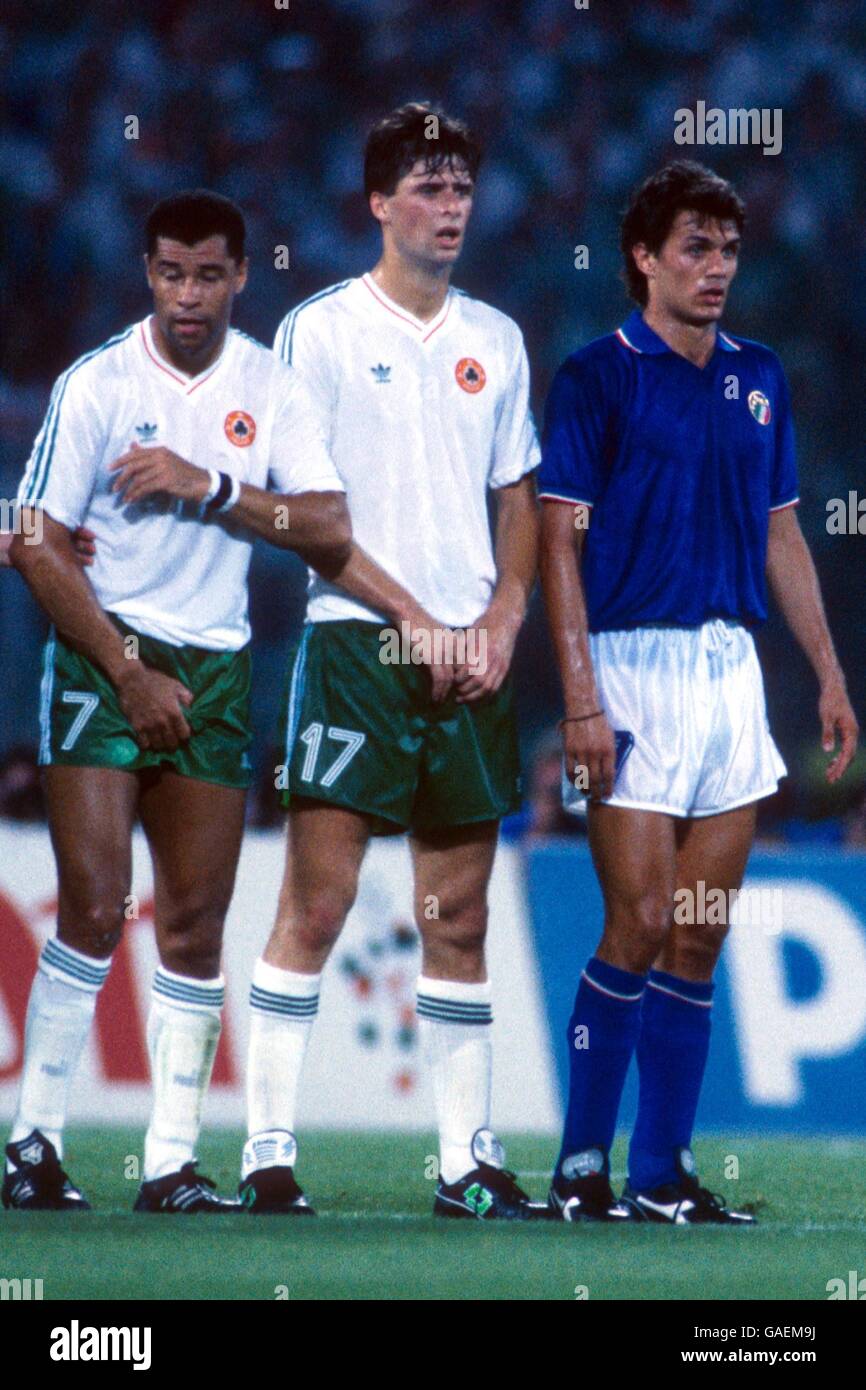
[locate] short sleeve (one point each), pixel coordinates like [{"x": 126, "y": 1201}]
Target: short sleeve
[
  {"x": 298, "y": 344},
  {"x": 575, "y": 420},
  {"x": 61, "y": 472},
  {"x": 300, "y": 460},
  {"x": 783, "y": 484},
  {"x": 516, "y": 450}
]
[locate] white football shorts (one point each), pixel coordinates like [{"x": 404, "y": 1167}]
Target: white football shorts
[{"x": 694, "y": 700}]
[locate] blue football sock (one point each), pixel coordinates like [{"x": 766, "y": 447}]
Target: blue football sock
[
  {"x": 607, "y": 1006},
  {"x": 671, "y": 1059}
]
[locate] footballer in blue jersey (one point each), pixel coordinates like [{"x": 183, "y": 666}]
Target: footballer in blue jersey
[{"x": 669, "y": 487}]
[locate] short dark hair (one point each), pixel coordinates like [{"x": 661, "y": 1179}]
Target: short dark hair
[
  {"x": 682, "y": 185},
  {"x": 194, "y": 215},
  {"x": 401, "y": 138}
]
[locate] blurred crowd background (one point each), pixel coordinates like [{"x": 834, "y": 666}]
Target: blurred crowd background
[{"x": 271, "y": 106}]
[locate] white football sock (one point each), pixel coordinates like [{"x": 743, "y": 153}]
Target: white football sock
[
  {"x": 454, "y": 1022},
  {"x": 283, "y": 1008},
  {"x": 183, "y": 1030},
  {"x": 59, "y": 1014}
]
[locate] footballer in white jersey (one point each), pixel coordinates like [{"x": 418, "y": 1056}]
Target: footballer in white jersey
[
  {"x": 399, "y": 713},
  {"x": 445, "y": 406},
  {"x": 156, "y": 565},
  {"x": 163, "y": 441}
]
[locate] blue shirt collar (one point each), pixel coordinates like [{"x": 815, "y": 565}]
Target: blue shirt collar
[{"x": 636, "y": 334}]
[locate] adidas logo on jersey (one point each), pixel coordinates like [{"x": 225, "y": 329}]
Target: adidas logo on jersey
[
  {"x": 382, "y": 374},
  {"x": 146, "y": 433}
]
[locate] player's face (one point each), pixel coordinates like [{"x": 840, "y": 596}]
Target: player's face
[
  {"x": 193, "y": 289},
  {"x": 426, "y": 215},
  {"x": 690, "y": 277}
]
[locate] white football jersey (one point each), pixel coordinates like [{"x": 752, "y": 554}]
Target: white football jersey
[
  {"x": 158, "y": 565},
  {"x": 420, "y": 419}
]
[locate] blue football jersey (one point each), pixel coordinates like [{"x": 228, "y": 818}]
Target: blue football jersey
[{"x": 681, "y": 466}]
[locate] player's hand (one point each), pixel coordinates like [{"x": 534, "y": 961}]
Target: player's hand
[
  {"x": 143, "y": 471},
  {"x": 153, "y": 703},
  {"x": 492, "y": 644},
  {"x": 837, "y": 719},
  {"x": 84, "y": 544},
  {"x": 427, "y": 635},
  {"x": 590, "y": 744}
]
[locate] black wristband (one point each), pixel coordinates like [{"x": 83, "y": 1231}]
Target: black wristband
[{"x": 221, "y": 496}]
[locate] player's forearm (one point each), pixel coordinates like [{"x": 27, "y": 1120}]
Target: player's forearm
[
  {"x": 567, "y": 617},
  {"x": 56, "y": 580},
  {"x": 366, "y": 581},
  {"x": 566, "y": 613},
  {"x": 315, "y": 524},
  {"x": 794, "y": 584},
  {"x": 518, "y": 529},
  {"x": 5, "y": 542}
]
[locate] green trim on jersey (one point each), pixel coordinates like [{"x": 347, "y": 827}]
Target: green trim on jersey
[
  {"x": 82, "y": 723},
  {"x": 366, "y": 736},
  {"x": 288, "y": 325},
  {"x": 37, "y": 483}
]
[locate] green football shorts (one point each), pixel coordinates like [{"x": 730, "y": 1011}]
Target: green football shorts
[
  {"x": 366, "y": 735},
  {"x": 82, "y": 724}
]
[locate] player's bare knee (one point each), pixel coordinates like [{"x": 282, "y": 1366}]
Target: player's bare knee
[
  {"x": 194, "y": 952},
  {"x": 93, "y": 927},
  {"x": 190, "y": 936},
  {"x": 697, "y": 949},
  {"x": 641, "y": 924},
  {"x": 319, "y": 918},
  {"x": 458, "y": 933}
]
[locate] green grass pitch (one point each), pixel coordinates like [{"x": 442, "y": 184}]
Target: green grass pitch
[{"x": 375, "y": 1237}]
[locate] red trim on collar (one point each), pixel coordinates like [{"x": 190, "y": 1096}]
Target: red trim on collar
[
  {"x": 181, "y": 380},
  {"x": 406, "y": 318}
]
